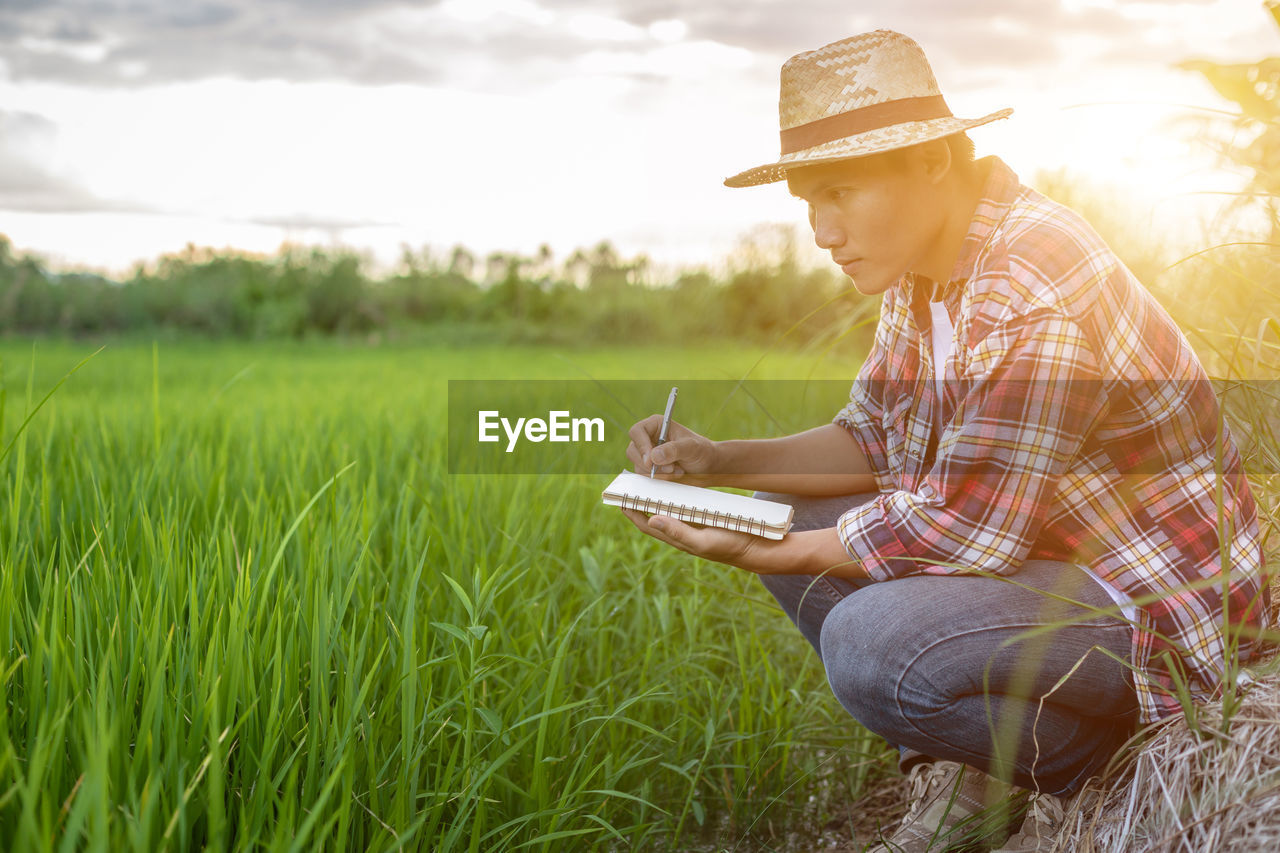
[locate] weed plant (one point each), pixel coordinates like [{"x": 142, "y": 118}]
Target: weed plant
[{"x": 242, "y": 606}]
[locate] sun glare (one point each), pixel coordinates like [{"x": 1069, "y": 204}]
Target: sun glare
[{"x": 624, "y": 138}]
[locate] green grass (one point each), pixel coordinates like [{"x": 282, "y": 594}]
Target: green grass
[{"x": 242, "y": 605}]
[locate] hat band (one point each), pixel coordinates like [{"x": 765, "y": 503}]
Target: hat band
[{"x": 863, "y": 119}]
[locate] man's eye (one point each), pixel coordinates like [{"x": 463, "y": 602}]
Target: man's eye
[{"x": 838, "y": 193}]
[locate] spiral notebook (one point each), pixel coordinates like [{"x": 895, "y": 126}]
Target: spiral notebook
[{"x": 695, "y": 504}]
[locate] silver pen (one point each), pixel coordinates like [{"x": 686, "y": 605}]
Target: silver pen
[{"x": 666, "y": 421}]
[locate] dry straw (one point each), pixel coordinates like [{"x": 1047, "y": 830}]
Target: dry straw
[
  {"x": 1181, "y": 792},
  {"x": 863, "y": 95},
  {"x": 1218, "y": 789}
]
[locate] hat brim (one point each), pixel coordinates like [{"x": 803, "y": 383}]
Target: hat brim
[{"x": 865, "y": 144}]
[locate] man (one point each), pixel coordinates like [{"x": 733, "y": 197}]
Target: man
[{"x": 1028, "y": 532}]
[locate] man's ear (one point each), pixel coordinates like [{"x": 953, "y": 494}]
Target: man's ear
[{"x": 934, "y": 159}]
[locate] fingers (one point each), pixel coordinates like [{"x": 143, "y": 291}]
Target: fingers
[
  {"x": 672, "y": 456},
  {"x": 633, "y": 456},
  {"x": 644, "y": 433},
  {"x": 721, "y": 546},
  {"x": 641, "y": 450},
  {"x": 671, "y": 451},
  {"x": 667, "y": 530}
]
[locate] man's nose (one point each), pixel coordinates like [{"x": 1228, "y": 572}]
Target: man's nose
[{"x": 827, "y": 232}]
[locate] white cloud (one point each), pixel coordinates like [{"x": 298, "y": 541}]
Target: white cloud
[
  {"x": 503, "y": 124},
  {"x": 669, "y": 30}
]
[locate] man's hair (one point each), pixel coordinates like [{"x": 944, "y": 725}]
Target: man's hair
[
  {"x": 962, "y": 153},
  {"x": 961, "y": 146}
]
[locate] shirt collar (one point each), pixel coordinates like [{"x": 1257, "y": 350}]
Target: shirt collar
[{"x": 998, "y": 193}]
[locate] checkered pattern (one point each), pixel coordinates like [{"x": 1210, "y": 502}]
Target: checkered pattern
[{"x": 1078, "y": 425}]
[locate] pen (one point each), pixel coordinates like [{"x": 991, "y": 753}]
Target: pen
[{"x": 666, "y": 420}]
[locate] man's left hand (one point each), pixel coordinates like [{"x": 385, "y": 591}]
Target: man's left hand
[
  {"x": 806, "y": 552},
  {"x": 711, "y": 543}
]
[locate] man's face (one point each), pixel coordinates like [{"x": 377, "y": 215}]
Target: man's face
[{"x": 878, "y": 216}]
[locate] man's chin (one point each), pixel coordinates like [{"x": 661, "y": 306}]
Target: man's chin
[{"x": 869, "y": 285}]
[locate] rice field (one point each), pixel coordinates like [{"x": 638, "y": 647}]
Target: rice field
[{"x": 243, "y": 605}]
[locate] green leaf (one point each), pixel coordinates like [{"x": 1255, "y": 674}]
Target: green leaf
[{"x": 453, "y": 631}]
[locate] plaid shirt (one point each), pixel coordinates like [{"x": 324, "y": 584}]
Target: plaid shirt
[{"x": 1076, "y": 425}]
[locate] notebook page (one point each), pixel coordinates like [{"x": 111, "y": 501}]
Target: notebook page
[{"x": 631, "y": 484}]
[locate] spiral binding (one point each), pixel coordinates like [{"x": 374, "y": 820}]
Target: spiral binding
[{"x": 728, "y": 520}]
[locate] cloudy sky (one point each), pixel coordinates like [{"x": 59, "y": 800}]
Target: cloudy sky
[{"x": 132, "y": 127}]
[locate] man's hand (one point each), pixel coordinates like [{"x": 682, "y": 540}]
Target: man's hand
[
  {"x": 825, "y": 460},
  {"x": 807, "y": 552},
  {"x": 730, "y": 547},
  {"x": 685, "y": 456}
]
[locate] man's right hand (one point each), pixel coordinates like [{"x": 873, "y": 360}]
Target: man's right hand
[
  {"x": 825, "y": 460},
  {"x": 685, "y": 456}
]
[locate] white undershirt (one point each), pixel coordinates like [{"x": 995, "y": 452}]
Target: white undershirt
[{"x": 942, "y": 336}]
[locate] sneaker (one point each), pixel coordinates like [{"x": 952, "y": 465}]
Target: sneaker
[
  {"x": 1040, "y": 828},
  {"x": 954, "y": 808}
]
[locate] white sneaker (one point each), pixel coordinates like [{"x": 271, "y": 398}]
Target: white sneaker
[
  {"x": 953, "y": 808},
  {"x": 1040, "y": 827}
]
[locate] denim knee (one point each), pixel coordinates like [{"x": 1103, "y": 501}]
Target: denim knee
[
  {"x": 856, "y": 645},
  {"x": 872, "y": 648}
]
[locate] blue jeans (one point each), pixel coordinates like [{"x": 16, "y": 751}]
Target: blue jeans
[{"x": 972, "y": 669}]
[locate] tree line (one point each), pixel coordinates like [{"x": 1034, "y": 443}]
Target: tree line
[{"x": 764, "y": 295}]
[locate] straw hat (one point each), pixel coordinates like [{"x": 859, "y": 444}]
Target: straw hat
[{"x": 862, "y": 95}]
